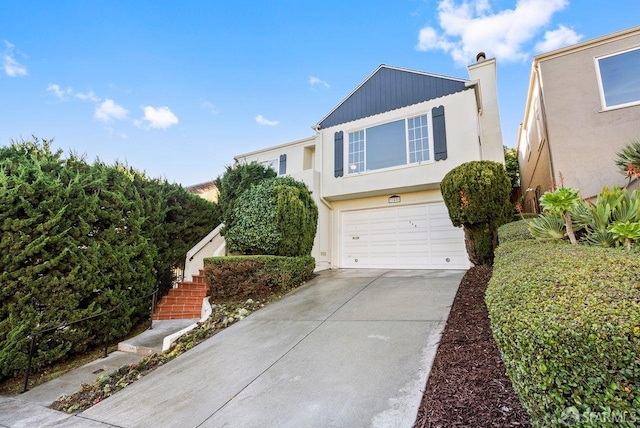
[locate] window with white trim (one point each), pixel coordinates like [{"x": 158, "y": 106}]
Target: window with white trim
[
  {"x": 391, "y": 144},
  {"x": 619, "y": 78},
  {"x": 271, "y": 163},
  {"x": 418, "y": 139}
]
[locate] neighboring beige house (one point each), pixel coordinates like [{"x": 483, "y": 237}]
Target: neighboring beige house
[
  {"x": 207, "y": 190},
  {"x": 583, "y": 106},
  {"x": 376, "y": 160}
]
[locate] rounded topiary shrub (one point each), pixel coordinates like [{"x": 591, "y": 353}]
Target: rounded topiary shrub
[
  {"x": 477, "y": 197},
  {"x": 275, "y": 217}
]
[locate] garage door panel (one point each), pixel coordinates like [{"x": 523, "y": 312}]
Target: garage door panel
[{"x": 411, "y": 237}]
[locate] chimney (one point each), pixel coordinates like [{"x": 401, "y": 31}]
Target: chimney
[{"x": 481, "y": 57}]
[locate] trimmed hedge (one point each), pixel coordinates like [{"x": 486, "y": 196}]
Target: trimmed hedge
[
  {"x": 514, "y": 231},
  {"x": 274, "y": 217},
  {"x": 237, "y": 278},
  {"x": 477, "y": 197},
  {"x": 567, "y": 322}
]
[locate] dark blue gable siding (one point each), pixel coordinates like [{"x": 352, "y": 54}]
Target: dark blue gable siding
[{"x": 389, "y": 89}]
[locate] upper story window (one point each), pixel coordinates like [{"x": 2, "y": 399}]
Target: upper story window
[
  {"x": 391, "y": 144},
  {"x": 271, "y": 163},
  {"x": 619, "y": 78}
]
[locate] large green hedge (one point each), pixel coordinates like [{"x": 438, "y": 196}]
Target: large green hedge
[
  {"x": 77, "y": 240},
  {"x": 236, "y": 278},
  {"x": 276, "y": 217},
  {"x": 236, "y": 180},
  {"x": 567, "y": 322}
]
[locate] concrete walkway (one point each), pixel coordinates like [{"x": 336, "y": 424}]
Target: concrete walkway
[{"x": 352, "y": 348}]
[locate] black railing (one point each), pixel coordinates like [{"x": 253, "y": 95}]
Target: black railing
[{"x": 34, "y": 335}]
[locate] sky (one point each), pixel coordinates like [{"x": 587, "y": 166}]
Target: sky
[{"x": 178, "y": 88}]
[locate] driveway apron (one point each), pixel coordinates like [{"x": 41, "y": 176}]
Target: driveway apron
[{"x": 351, "y": 348}]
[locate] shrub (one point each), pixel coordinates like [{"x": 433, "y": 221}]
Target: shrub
[
  {"x": 233, "y": 183},
  {"x": 236, "y": 278},
  {"x": 71, "y": 246},
  {"x": 78, "y": 239},
  {"x": 276, "y": 217},
  {"x": 514, "y": 231},
  {"x": 477, "y": 197},
  {"x": 567, "y": 322}
]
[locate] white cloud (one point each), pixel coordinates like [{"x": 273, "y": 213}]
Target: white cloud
[
  {"x": 12, "y": 68},
  {"x": 315, "y": 81},
  {"x": 90, "y": 96},
  {"x": 472, "y": 27},
  {"x": 109, "y": 110},
  {"x": 160, "y": 117},
  {"x": 264, "y": 121},
  {"x": 557, "y": 39},
  {"x": 57, "y": 91}
]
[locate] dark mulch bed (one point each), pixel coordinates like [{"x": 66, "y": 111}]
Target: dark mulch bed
[{"x": 468, "y": 386}]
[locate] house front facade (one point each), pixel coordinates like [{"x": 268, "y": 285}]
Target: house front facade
[
  {"x": 375, "y": 162},
  {"x": 583, "y": 107}
]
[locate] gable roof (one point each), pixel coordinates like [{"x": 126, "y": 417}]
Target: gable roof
[{"x": 389, "y": 88}]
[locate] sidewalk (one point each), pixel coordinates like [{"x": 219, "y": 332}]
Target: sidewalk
[{"x": 30, "y": 408}]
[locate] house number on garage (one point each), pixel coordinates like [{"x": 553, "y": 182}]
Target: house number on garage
[{"x": 394, "y": 199}]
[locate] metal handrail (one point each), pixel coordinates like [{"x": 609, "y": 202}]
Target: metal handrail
[{"x": 34, "y": 334}]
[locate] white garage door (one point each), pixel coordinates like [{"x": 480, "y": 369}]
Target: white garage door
[{"x": 403, "y": 237}]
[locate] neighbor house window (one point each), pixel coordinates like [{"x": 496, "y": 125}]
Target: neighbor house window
[
  {"x": 271, "y": 163},
  {"x": 619, "y": 78},
  {"x": 391, "y": 144}
]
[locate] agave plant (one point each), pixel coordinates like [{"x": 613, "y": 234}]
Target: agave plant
[
  {"x": 628, "y": 160},
  {"x": 562, "y": 201},
  {"x": 548, "y": 226},
  {"x": 626, "y": 231}
]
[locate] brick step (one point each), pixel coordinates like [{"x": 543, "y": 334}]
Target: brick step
[
  {"x": 180, "y": 300},
  {"x": 175, "y": 307},
  {"x": 199, "y": 279},
  {"x": 176, "y": 315},
  {"x": 178, "y": 292},
  {"x": 190, "y": 285}
]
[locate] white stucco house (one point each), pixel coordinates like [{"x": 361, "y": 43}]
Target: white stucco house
[{"x": 375, "y": 162}]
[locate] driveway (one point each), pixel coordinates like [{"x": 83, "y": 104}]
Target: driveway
[{"x": 351, "y": 348}]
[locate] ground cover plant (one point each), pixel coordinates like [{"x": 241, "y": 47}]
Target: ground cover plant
[{"x": 567, "y": 321}]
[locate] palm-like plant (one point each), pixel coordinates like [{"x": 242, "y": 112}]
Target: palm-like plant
[{"x": 562, "y": 201}]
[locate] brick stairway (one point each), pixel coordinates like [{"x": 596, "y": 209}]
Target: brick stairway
[{"x": 185, "y": 301}]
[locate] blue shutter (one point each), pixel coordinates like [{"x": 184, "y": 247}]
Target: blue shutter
[
  {"x": 338, "y": 155},
  {"x": 283, "y": 164},
  {"x": 439, "y": 133}
]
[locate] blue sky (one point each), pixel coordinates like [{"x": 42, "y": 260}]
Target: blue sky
[{"x": 177, "y": 89}]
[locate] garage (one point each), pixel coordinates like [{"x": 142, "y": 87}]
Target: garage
[{"x": 402, "y": 237}]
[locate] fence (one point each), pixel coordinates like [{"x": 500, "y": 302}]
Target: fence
[{"x": 34, "y": 335}]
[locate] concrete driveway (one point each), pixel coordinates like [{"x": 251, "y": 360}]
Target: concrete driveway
[{"x": 352, "y": 348}]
